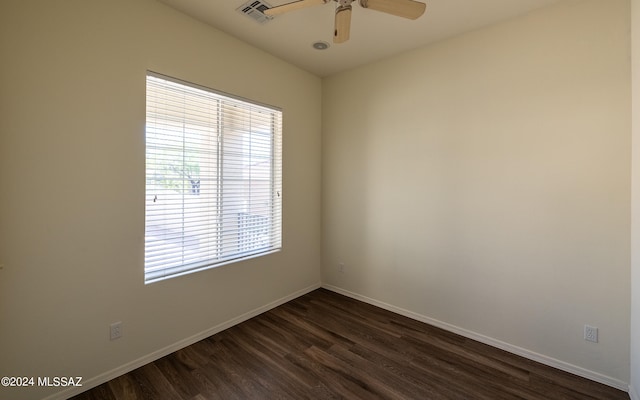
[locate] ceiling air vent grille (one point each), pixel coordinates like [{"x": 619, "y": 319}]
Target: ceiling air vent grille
[{"x": 255, "y": 10}]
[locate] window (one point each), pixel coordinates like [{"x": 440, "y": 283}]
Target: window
[{"x": 213, "y": 179}]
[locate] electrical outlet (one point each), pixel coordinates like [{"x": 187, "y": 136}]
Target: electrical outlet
[
  {"x": 115, "y": 330},
  {"x": 341, "y": 267},
  {"x": 591, "y": 333}
]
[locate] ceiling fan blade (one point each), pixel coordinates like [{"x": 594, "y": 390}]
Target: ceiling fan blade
[
  {"x": 343, "y": 24},
  {"x": 402, "y": 8},
  {"x": 296, "y": 5}
]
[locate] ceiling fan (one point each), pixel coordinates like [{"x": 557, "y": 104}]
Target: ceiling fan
[{"x": 402, "y": 8}]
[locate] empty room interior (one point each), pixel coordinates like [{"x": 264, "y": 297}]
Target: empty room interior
[{"x": 485, "y": 182}]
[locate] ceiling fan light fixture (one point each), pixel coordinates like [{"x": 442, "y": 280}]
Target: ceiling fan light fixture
[
  {"x": 410, "y": 9},
  {"x": 320, "y": 45}
]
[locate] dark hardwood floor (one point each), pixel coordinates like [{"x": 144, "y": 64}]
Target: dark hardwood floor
[{"x": 327, "y": 346}]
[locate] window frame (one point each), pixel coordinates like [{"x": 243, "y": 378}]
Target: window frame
[{"x": 222, "y": 232}]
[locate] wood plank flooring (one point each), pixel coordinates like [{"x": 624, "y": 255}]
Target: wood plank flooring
[{"x": 327, "y": 346}]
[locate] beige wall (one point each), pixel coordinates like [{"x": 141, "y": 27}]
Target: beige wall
[
  {"x": 634, "y": 390},
  {"x": 72, "y": 109},
  {"x": 483, "y": 182}
]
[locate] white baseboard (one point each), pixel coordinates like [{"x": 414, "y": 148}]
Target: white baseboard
[
  {"x": 552, "y": 362},
  {"x": 633, "y": 393},
  {"x": 130, "y": 366}
]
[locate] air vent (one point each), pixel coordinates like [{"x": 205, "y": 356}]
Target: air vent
[{"x": 255, "y": 10}]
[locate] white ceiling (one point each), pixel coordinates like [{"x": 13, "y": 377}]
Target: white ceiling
[{"x": 374, "y": 35}]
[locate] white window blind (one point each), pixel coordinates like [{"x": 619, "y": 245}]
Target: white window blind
[{"x": 213, "y": 179}]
